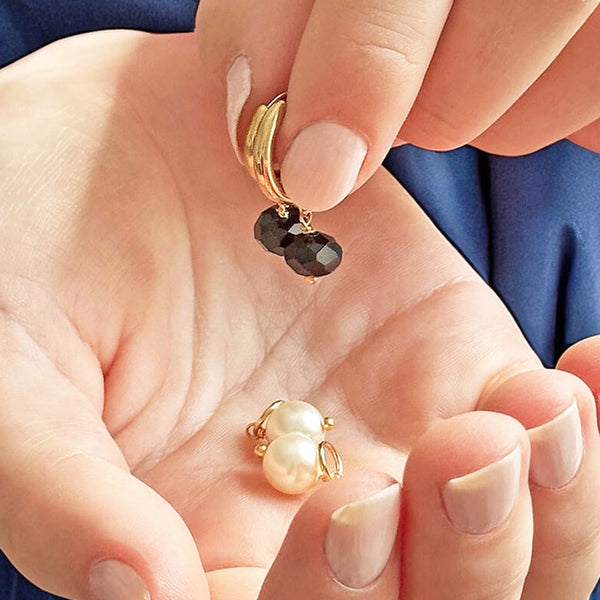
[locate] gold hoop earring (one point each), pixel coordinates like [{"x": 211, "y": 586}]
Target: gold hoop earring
[{"x": 285, "y": 229}]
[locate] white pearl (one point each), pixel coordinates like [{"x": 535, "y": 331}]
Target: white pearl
[
  {"x": 291, "y": 463},
  {"x": 295, "y": 416}
]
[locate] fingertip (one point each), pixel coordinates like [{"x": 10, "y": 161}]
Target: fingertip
[
  {"x": 537, "y": 396},
  {"x": 466, "y": 508},
  {"x": 558, "y": 411},
  {"x": 321, "y": 166},
  {"x": 341, "y": 544},
  {"x": 464, "y": 444},
  {"x": 582, "y": 359},
  {"x": 242, "y": 583}
]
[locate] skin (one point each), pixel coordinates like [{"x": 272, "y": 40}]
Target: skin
[
  {"x": 142, "y": 328},
  {"x": 509, "y": 77}
]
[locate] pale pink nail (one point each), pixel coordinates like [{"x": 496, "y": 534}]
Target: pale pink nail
[
  {"x": 322, "y": 164},
  {"x": 239, "y": 84},
  {"x": 361, "y": 537},
  {"x": 556, "y": 449},
  {"x": 482, "y": 500},
  {"x": 114, "y": 580}
]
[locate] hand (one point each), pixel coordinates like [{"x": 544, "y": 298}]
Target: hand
[
  {"x": 142, "y": 329},
  {"x": 509, "y": 77}
]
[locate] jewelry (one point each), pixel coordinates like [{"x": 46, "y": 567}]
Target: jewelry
[
  {"x": 290, "y": 438},
  {"x": 284, "y": 229}
]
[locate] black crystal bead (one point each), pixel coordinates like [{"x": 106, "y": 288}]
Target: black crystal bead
[
  {"x": 313, "y": 253},
  {"x": 274, "y": 232}
]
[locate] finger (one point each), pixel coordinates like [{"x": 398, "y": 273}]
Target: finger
[
  {"x": 546, "y": 112},
  {"x": 466, "y": 514},
  {"x": 238, "y": 583},
  {"x": 559, "y": 413},
  {"x": 341, "y": 544},
  {"x": 488, "y": 55},
  {"x": 73, "y": 519},
  {"x": 582, "y": 359},
  {"x": 253, "y": 67},
  {"x": 357, "y": 71},
  {"x": 588, "y": 137}
]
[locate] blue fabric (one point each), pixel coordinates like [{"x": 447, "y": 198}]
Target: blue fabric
[
  {"x": 26, "y": 25},
  {"x": 530, "y": 225}
]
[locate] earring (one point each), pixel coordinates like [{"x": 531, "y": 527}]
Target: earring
[
  {"x": 285, "y": 229},
  {"x": 290, "y": 438}
]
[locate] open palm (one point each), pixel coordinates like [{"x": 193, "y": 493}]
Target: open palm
[{"x": 131, "y": 288}]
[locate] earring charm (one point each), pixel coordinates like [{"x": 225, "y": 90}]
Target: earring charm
[
  {"x": 290, "y": 438},
  {"x": 285, "y": 229}
]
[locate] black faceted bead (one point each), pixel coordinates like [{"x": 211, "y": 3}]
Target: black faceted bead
[
  {"x": 274, "y": 232},
  {"x": 313, "y": 253}
]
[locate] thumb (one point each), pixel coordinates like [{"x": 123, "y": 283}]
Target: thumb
[
  {"x": 73, "y": 519},
  {"x": 341, "y": 544}
]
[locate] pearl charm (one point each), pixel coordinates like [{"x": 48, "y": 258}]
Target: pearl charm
[
  {"x": 291, "y": 463},
  {"x": 290, "y": 438},
  {"x": 295, "y": 416}
]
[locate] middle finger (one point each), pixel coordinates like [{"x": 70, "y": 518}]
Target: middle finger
[{"x": 488, "y": 55}]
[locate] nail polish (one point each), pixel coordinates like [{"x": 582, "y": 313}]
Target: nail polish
[
  {"x": 556, "y": 449},
  {"x": 239, "y": 84},
  {"x": 480, "y": 501},
  {"x": 361, "y": 537},
  {"x": 321, "y": 166},
  {"x": 114, "y": 580}
]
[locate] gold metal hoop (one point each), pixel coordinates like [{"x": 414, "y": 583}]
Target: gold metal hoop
[
  {"x": 258, "y": 148},
  {"x": 256, "y": 430},
  {"x": 326, "y": 473}
]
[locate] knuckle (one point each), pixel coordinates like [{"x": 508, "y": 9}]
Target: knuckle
[
  {"x": 436, "y": 124},
  {"x": 576, "y": 545},
  {"x": 489, "y": 580},
  {"x": 380, "y": 28},
  {"x": 511, "y": 588}
]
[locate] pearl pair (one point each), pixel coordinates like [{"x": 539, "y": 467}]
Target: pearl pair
[{"x": 290, "y": 438}]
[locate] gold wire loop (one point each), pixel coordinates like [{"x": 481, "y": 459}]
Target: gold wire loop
[
  {"x": 256, "y": 430},
  {"x": 283, "y": 210},
  {"x": 326, "y": 473},
  {"x": 258, "y": 148},
  {"x": 306, "y": 220}
]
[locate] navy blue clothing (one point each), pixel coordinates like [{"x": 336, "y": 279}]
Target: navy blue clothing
[
  {"x": 26, "y": 25},
  {"x": 530, "y": 225}
]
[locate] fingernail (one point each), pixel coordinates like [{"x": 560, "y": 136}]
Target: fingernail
[
  {"x": 239, "y": 84},
  {"x": 114, "y": 580},
  {"x": 556, "y": 449},
  {"x": 361, "y": 537},
  {"x": 322, "y": 164},
  {"x": 482, "y": 500}
]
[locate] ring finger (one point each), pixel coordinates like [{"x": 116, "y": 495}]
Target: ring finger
[{"x": 559, "y": 413}]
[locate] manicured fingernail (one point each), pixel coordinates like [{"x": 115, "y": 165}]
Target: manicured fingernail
[
  {"x": 114, "y": 580},
  {"x": 239, "y": 84},
  {"x": 482, "y": 500},
  {"x": 361, "y": 537},
  {"x": 556, "y": 449},
  {"x": 322, "y": 164}
]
